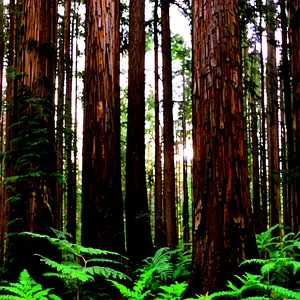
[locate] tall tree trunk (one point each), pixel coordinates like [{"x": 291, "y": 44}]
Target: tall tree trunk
[
  {"x": 2, "y": 201},
  {"x": 285, "y": 75},
  {"x": 186, "y": 229},
  {"x": 272, "y": 113},
  {"x": 294, "y": 31},
  {"x": 102, "y": 205},
  {"x": 59, "y": 130},
  {"x": 158, "y": 169},
  {"x": 169, "y": 173},
  {"x": 71, "y": 193},
  {"x": 223, "y": 229},
  {"x": 139, "y": 243},
  {"x": 34, "y": 161},
  {"x": 264, "y": 194},
  {"x": 254, "y": 150},
  {"x": 283, "y": 154},
  {"x": 14, "y": 20}
]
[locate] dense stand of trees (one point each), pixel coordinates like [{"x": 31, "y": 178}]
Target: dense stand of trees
[{"x": 237, "y": 104}]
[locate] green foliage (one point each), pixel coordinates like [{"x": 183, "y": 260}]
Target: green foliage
[
  {"x": 174, "y": 291},
  {"x": 79, "y": 264},
  {"x": 156, "y": 273},
  {"x": 26, "y": 289}
]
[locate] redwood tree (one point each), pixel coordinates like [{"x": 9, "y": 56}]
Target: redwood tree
[
  {"x": 102, "y": 208},
  {"x": 30, "y": 143},
  {"x": 138, "y": 233},
  {"x": 169, "y": 172},
  {"x": 158, "y": 169},
  {"x": 294, "y": 28},
  {"x": 272, "y": 117},
  {"x": 223, "y": 230}
]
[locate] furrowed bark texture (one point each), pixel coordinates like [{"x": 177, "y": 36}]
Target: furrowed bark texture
[
  {"x": 139, "y": 243},
  {"x": 223, "y": 231},
  {"x": 102, "y": 208},
  {"x": 34, "y": 151},
  {"x": 169, "y": 171}
]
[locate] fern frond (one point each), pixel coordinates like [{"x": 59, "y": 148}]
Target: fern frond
[{"x": 67, "y": 271}]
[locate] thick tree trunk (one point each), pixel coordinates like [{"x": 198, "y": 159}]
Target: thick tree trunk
[
  {"x": 158, "y": 169},
  {"x": 169, "y": 173},
  {"x": 294, "y": 31},
  {"x": 102, "y": 205},
  {"x": 272, "y": 113},
  {"x": 34, "y": 150},
  {"x": 223, "y": 231},
  {"x": 139, "y": 243}
]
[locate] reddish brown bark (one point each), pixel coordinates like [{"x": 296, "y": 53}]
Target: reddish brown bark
[
  {"x": 169, "y": 173},
  {"x": 138, "y": 233},
  {"x": 59, "y": 134},
  {"x": 263, "y": 171},
  {"x": 272, "y": 118},
  {"x": 102, "y": 205},
  {"x": 186, "y": 229},
  {"x": 223, "y": 231},
  {"x": 158, "y": 168},
  {"x": 287, "y": 117},
  {"x": 294, "y": 32},
  {"x": 34, "y": 109}
]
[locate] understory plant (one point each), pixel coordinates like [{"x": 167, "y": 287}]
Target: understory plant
[
  {"x": 80, "y": 264},
  {"x": 158, "y": 276},
  {"x": 25, "y": 289}
]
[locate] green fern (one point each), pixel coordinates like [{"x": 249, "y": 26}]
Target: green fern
[
  {"x": 78, "y": 264},
  {"x": 173, "y": 291},
  {"x": 138, "y": 291},
  {"x": 26, "y": 289}
]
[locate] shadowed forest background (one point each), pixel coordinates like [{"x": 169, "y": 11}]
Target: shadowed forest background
[{"x": 139, "y": 163}]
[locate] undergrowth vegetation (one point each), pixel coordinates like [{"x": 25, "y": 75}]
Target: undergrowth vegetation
[{"x": 163, "y": 276}]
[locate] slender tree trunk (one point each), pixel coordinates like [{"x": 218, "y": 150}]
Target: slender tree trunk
[
  {"x": 139, "y": 243},
  {"x": 223, "y": 229},
  {"x": 272, "y": 112},
  {"x": 2, "y": 201},
  {"x": 186, "y": 229},
  {"x": 283, "y": 154},
  {"x": 59, "y": 131},
  {"x": 14, "y": 19},
  {"x": 255, "y": 159},
  {"x": 71, "y": 193},
  {"x": 294, "y": 32},
  {"x": 285, "y": 75},
  {"x": 78, "y": 205},
  {"x": 102, "y": 205},
  {"x": 169, "y": 173},
  {"x": 264, "y": 194},
  {"x": 158, "y": 168}
]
